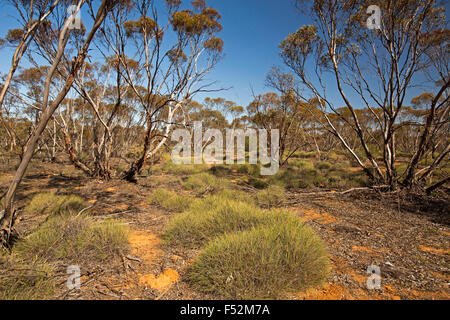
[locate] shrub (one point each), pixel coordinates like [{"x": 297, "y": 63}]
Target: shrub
[
  {"x": 78, "y": 239},
  {"x": 270, "y": 197},
  {"x": 213, "y": 217},
  {"x": 169, "y": 200},
  {"x": 262, "y": 263},
  {"x": 51, "y": 203},
  {"x": 25, "y": 280},
  {"x": 202, "y": 183}
]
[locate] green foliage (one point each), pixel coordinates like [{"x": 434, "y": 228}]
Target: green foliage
[
  {"x": 184, "y": 169},
  {"x": 257, "y": 182},
  {"x": 248, "y": 169},
  {"x": 231, "y": 194},
  {"x": 25, "y": 280},
  {"x": 323, "y": 165},
  {"x": 78, "y": 239},
  {"x": 292, "y": 179},
  {"x": 170, "y": 200},
  {"x": 262, "y": 263},
  {"x": 303, "y": 164},
  {"x": 271, "y": 197},
  {"x": 192, "y": 24},
  {"x": 220, "y": 170},
  {"x": 306, "y": 155},
  {"x": 50, "y": 203},
  {"x": 203, "y": 183},
  {"x": 401, "y": 168},
  {"x": 215, "y": 216}
]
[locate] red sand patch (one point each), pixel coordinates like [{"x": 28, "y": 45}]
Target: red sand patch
[
  {"x": 160, "y": 282},
  {"x": 311, "y": 214},
  {"x": 434, "y": 250},
  {"x": 331, "y": 291},
  {"x": 145, "y": 245},
  {"x": 370, "y": 250}
]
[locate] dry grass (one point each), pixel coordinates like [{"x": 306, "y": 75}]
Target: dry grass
[{"x": 24, "y": 279}]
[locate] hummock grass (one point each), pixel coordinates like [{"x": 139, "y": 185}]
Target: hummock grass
[
  {"x": 77, "y": 239},
  {"x": 271, "y": 197},
  {"x": 51, "y": 203},
  {"x": 25, "y": 280},
  {"x": 261, "y": 263},
  {"x": 170, "y": 200},
  {"x": 213, "y": 217},
  {"x": 184, "y": 169},
  {"x": 203, "y": 183}
]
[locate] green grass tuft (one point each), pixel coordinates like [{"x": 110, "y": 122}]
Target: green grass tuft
[
  {"x": 50, "y": 203},
  {"x": 203, "y": 183},
  {"x": 184, "y": 169},
  {"x": 271, "y": 197},
  {"x": 77, "y": 239},
  {"x": 262, "y": 263},
  {"x": 25, "y": 280},
  {"x": 170, "y": 200},
  {"x": 213, "y": 217}
]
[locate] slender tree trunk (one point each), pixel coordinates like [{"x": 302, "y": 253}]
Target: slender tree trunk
[{"x": 7, "y": 217}]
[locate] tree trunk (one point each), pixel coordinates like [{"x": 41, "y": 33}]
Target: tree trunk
[{"x": 7, "y": 216}]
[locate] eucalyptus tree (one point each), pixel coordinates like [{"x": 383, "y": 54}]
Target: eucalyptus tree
[
  {"x": 174, "y": 50},
  {"x": 379, "y": 64},
  {"x": 79, "y": 51}
]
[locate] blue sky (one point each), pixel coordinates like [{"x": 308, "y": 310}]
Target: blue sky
[{"x": 252, "y": 31}]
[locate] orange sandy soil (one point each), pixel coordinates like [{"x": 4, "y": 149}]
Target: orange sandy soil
[{"x": 407, "y": 239}]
